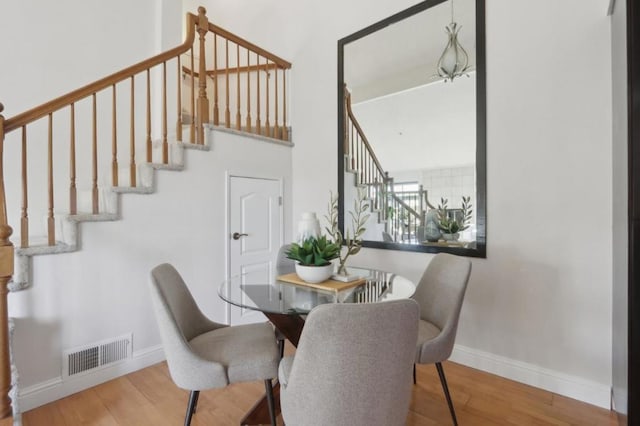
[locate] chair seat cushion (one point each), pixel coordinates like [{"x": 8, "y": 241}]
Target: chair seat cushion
[
  {"x": 284, "y": 370},
  {"x": 425, "y": 350},
  {"x": 248, "y": 352}
]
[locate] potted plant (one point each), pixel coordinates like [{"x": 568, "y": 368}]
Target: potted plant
[
  {"x": 449, "y": 224},
  {"x": 313, "y": 258}
]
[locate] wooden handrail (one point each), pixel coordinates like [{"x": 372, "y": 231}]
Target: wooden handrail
[
  {"x": 406, "y": 206},
  {"x": 248, "y": 45},
  {"x": 363, "y": 137},
  {"x": 83, "y": 92},
  {"x": 233, "y": 70}
]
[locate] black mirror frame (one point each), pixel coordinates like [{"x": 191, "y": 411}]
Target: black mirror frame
[{"x": 481, "y": 123}]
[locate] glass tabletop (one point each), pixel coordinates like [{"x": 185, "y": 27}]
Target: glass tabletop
[{"x": 271, "y": 295}]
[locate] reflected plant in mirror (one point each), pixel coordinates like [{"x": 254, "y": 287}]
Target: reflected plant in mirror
[
  {"x": 352, "y": 238},
  {"x": 410, "y": 134},
  {"x": 451, "y": 223}
]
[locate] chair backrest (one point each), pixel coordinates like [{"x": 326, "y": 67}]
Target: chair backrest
[
  {"x": 180, "y": 320},
  {"x": 353, "y": 365},
  {"x": 284, "y": 265},
  {"x": 440, "y": 292}
]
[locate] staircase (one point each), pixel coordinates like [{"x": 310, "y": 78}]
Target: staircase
[
  {"x": 401, "y": 214},
  {"x": 112, "y": 136}
]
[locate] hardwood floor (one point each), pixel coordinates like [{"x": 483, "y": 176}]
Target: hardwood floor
[{"x": 149, "y": 397}]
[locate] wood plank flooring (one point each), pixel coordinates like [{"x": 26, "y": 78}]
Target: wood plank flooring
[{"x": 149, "y": 397}]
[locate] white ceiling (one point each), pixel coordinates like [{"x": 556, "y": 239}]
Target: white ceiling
[
  {"x": 413, "y": 119},
  {"x": 405, "y": 54}
]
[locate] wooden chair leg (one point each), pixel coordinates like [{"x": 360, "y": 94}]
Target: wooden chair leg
[
  {"x": 414, "y": 374},
  {"x": 443, "y": 380},
  {"x": 191, "y": 407},
  {"x": 272, "y": 405}
]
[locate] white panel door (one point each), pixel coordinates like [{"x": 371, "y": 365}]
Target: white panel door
[{"x": 255, "y": 216}]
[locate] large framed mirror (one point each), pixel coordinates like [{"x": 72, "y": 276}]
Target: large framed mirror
[{"x": 412, "y": 129}]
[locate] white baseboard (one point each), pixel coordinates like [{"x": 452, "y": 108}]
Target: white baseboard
[
  {"x": 54, "y": 389},
  {"x": 563, "y": 384}
]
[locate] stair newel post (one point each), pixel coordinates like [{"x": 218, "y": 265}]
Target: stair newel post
[
  {"x": 6, "y": 271},
  {"x": 203, "y": 102}
]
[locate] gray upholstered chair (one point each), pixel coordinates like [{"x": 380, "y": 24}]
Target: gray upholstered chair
[
  {"x": 203, "y": 354},
  {"x": 440, "y": 294},
  {"x": 352, "y": 366},
  {"x": 284, "y": 265}
]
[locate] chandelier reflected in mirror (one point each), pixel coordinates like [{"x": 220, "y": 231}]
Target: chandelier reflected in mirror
[{"x": 454, "y": 61}]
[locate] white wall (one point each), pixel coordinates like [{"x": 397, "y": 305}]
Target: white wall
[
  {"x": 101, "y": 291},
  {"x": 620, "y": 209},
  {"x": 543, "y": 295}
]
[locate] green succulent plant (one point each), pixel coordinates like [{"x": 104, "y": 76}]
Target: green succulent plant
[
  {"x": 314, "y": 251},
  {"x": 449, "y": 224}
]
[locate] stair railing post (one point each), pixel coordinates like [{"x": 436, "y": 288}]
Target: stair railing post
[
  {"x": 6, "y": 271},
  {"x": 203, "y": 102}
]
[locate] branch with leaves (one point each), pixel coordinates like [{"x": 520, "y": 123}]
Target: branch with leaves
[
  {"x": 449, "y": 224},
  {"x": 353, "y": 238}
]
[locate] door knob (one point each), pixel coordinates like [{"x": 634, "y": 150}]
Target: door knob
[{"x": 237, "y": 235}]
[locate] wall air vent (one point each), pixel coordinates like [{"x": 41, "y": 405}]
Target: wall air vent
[{"x": 97, "y": 355}]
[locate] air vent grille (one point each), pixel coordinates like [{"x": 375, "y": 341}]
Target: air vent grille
[{"x": 97, "y": 355}]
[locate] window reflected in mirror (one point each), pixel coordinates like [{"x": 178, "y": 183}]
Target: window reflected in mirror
[{"x": 412, "y": 128}]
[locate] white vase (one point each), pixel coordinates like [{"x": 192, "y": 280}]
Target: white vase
[
  {"x": 308, "y": 226},
  {"x": 314, "y": 274}
]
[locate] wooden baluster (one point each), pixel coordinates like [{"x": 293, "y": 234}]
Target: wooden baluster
[
  {"x": 148, "y": 139},
  {"x": 94, "y": 165},
  {"x": 203, "y": 102},
  {"x": 165, "y": 143},
  {"x": 352, "y": 152},
  {"x": 276, "y": 129},
  {"x": 361, "y": 158},
  {"x": 258, "y": 121},
  {"x": 238, "y": 117},
  {"x": 267, "y": 124},
  {"x": 6, "y": 271},
  {"x": 248, "y": 124},
  {"x": 347, "y": 122},
  {"x": 216, "y": 112},
  {"x": 227, "y": 112},
  {"x": 114, "y": 140},
  {"x": 73, "y": 194},
  {"x": 285, "y": 129},
  {"x": 24, "y": 217},
  {"x": 132, "y": 138},
  {"x": 51, "y": 225},
  {"x": 179, "y": 96},
  {"x": 192, "y": 127}
]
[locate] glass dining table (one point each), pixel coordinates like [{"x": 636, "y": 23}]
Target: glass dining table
[{"x": 286, "y": 303}]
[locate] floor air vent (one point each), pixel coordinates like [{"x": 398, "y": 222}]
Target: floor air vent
[{"x": 96, "y": 355}]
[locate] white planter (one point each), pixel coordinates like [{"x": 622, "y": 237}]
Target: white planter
[
  {"x": 314, "y": 274},
  {"x": 451, "y": 237}
]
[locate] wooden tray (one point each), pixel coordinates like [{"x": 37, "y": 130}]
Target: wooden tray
[{"x": 329, "y": 285}]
